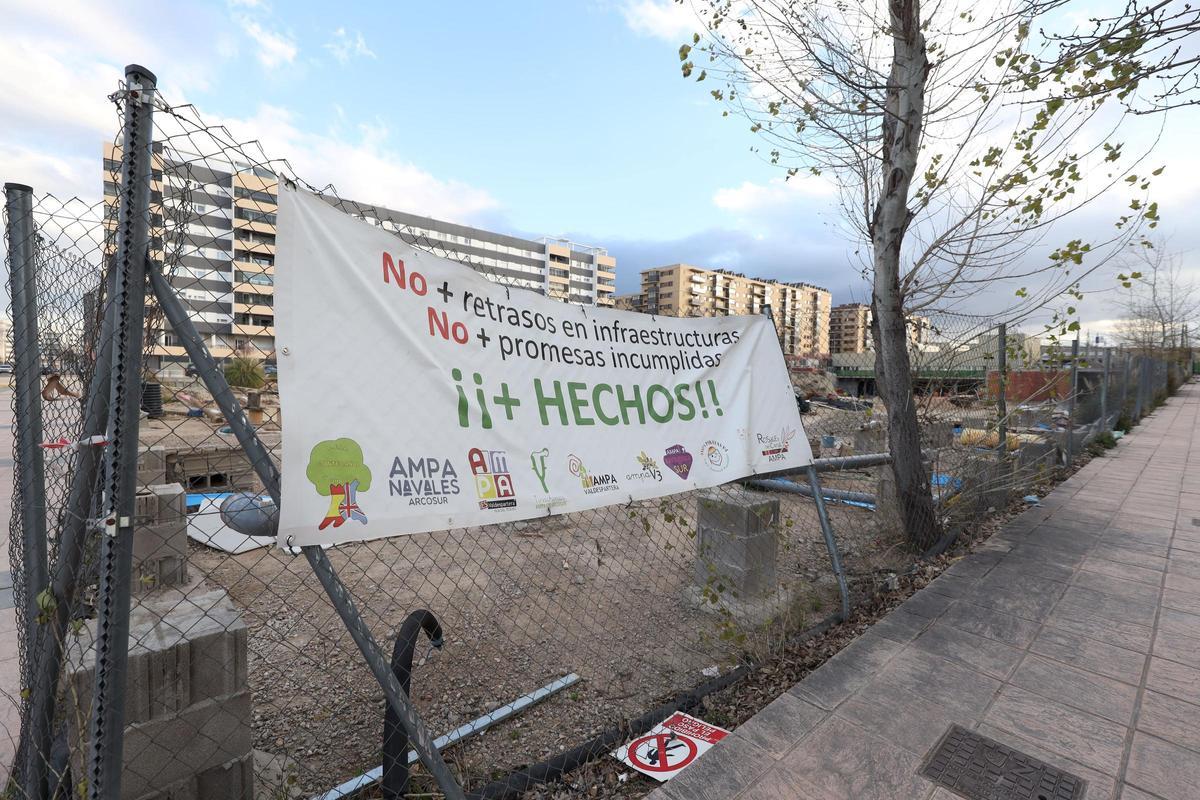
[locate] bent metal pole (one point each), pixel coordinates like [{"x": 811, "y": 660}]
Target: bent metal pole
[{"x": 268, "y": 473}]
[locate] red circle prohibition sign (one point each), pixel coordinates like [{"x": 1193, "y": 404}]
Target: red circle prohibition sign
[{"x": 663, "y": 749}]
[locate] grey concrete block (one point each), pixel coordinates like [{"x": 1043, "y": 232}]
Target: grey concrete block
[
  {"x": 234, "y": 780},
  {"x": 187, "y": 645},
  {"x": 152, "y": 465},
  {"x": 205, "y": 735},
  {"x": 737, "y": 542}
]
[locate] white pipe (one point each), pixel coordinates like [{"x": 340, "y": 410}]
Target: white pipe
[{"x": 473, "y": 727}]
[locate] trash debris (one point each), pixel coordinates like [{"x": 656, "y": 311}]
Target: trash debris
[
  {"x": 1032, "y": 499},
  {"x": 710, "y": 672}
]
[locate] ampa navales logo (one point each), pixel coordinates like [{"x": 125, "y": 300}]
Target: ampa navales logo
[
  {"x": 592, "y": 483},
  {"x": 336, "y": 470},
  {"x": 427, "y": 481},
  {"x": 775, "y": 445},
  {"x": 493, "y": 480}
]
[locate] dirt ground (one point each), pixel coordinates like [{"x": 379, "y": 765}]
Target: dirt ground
[{"x": 603, "y": 594}]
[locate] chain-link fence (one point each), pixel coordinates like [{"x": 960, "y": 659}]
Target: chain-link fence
[{"x": 545, "y": 638}]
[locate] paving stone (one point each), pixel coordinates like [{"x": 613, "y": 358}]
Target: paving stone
[
  {"x": 1125, "y": 555},
  {"x": 830, "y": 684},
  {"x": 985, "y": 655},
  {"x": 1179, "y": 623},
  {"x": 1182, "y": 583},
  {"x": 728, "y": 768},
  {"x": 929, "y": 605},
  {"x": 842, "y": 761},
  {"x": 1172, "y": 646},
  {"x": 1083, "y": 603},
  {"x": 940, "y": 680},
  {"x": 777, "y": 783},
  {"x": 952, "y": 586},
  {"x": 778, "y": 727},
  {"x": 900, "y": 626},
  {"x": 1163, "y": 768},
  {"x": 1122, "y": 634},
  {"x": 1086, "y": 738},
  {"x": 991, "y": 624},
  {"x": 1174, "y": 679},
  {"x": 1087, "y": 691},
  {"x": 902, "y": 717},
  {"x": 1020, "y": 566},
  {"x": 1130, "y": 793},
  {"x": 974, "y": 566},
  {"x": 1172, "y": 719},
  {"x": 1030, "y": 597},
  {"x": 1117, "y": 569},
  {"x": 1090, "y": 654},
  {"x": 1117, "y": 587}
]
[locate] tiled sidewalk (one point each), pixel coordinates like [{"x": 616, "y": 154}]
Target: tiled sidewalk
[{"x": 1073, "y": 636}]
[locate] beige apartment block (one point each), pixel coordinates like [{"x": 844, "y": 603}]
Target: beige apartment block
[
  {"x": 850, "y": 329},
  {"x": 218, "y": 221},
  {"x": 801, "y": 310}
]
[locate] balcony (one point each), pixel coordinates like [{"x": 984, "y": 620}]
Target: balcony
[{"x": 252, "y": 330}]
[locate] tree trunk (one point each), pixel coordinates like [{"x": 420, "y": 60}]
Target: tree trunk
[{"x": 893, "y": 370}]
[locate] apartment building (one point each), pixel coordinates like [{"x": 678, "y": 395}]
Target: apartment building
[
  {"x": 217, "y": 220},
  {"x": 801, "y": 310},
  {"x": 850, "y": 329}
]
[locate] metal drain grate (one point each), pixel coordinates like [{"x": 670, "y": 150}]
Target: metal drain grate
[{"x": 978, "y": 768}]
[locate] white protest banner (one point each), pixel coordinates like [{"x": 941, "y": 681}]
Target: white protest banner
[{"x": 417, "y": 395}]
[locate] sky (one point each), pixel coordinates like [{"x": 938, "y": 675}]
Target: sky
[{"x": 532, "y": 118}]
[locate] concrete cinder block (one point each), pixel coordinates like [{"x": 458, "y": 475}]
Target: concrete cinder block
[
  {"x": 187, "y": 701},
  {"x": 160, "y": 543},
  {"x": 152, "y": 465},
  {"x": 163, "y": 752},
  {"x": 186, "y": 644},
  {"x": 234, "y": 780},
  {"x": 737, "y": 541}
]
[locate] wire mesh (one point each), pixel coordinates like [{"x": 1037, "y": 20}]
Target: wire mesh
[{"x": 242, "y": 680}]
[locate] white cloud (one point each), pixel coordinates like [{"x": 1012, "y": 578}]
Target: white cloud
[
  {"x": 662, "y": 19},
  {"x": 750, "y": 197},
  {"x": 361, "y": 166},
  {"x": 346, "y": 46},
  {"x": 275, "y": 48}
]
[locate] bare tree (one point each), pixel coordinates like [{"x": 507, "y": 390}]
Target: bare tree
[
  {"x": 1159, "y": 303},
  {"x": 1147, "y": 55},
  {"x": 952, "y": 166}
]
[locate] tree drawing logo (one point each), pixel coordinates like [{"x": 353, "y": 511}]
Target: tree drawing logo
[
  {"x": 337, "y": 471},
  {"x": 537, "y": 460}
]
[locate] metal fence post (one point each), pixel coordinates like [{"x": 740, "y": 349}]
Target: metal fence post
[
  {"x": 339, "y": 595},
  {"x": 830, "y": 542},
  {"x": 1127, "y": 370},
  {"x": 1104, "y": 392},
  {"x": 31, "y": 479},
  {"x": 1002, "y": 382},
  {"x": 1071, "y": 402},
  {"x": 107, "y": 724},
  {"x": 814, "y": 482},
  {"x": 37, "y": 729}
]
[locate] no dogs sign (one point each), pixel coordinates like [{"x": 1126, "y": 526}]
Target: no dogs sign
[{"x": 670, "y": 746}]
